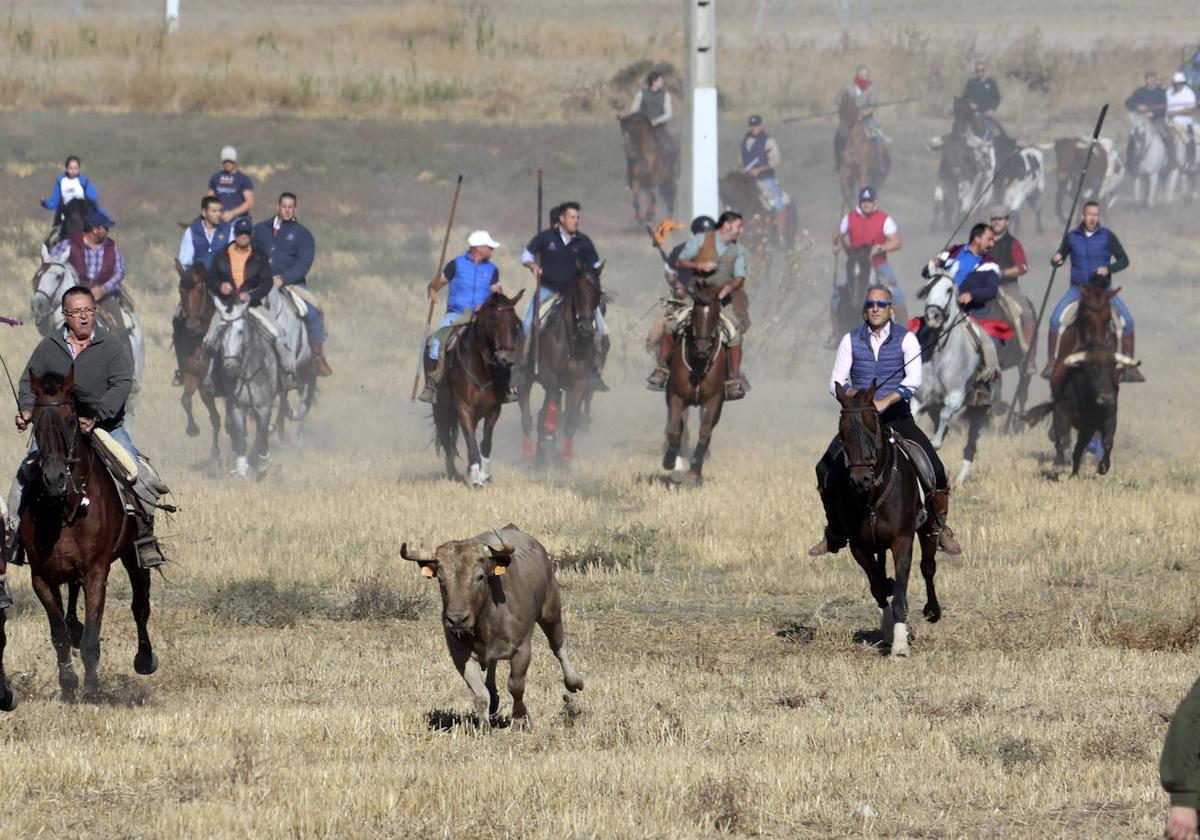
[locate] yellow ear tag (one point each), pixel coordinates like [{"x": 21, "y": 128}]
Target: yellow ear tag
[
  {"x": 499, "y": 570},
  {"x": 428, "y": 571}
]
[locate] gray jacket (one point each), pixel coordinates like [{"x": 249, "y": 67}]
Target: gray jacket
[{"x": 103, "y": 374}]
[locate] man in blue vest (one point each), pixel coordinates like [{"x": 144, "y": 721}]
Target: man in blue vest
[
  {"x": 1096, "y": 255},
  {"x": 886, "y": 353},
  {"x": 202, "y": 240},
  {"x": 760, "y": 157},
  {"x": 473, "y": 278}
]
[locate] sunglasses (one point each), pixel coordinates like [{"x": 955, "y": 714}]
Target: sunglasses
[{"x": 877, "y": 304}]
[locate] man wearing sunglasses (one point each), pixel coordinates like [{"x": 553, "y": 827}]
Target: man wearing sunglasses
[
  {"x": 888, "y": 354},
  {"x": 983, "y": 97}
]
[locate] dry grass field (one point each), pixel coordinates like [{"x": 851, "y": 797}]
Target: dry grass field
[{"x": 305, "y": 689}]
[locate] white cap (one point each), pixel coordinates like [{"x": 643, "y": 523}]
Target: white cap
[
  {"x": 1179, "y": 78},
  {"x": 482, "y": 237},
  {"x": 229, "y": 153}
]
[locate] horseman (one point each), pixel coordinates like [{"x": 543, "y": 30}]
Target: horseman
[
  {"x": 1150, "y": 100},
  {"x": 232, "y": 186},
  {"x": 862, "y": 91},
  {"x": 473, "y": 278},
  {"x": 202, "y": 240},
  {"x": 866, "y": 224},
  {"x": 71, "y": 185},
  {"x": 1181, "y": 105},
  {"x": 1096, "y": 255},
  {"x": 242, "y": 273},
  {"x": 983, "y": 97},
  {"x": 885, "y": 353},
  {"x": 715, "y": 258},
  {"x": 98, "y": 263},
  {"x": 554, "y": 256},
  {"x": 103, "y": 372},
  {"x": 654, "y": 103},
  {"x": 290, "y": 247},
  {"x": 760, "y": 158},
  {"x": 1009, "y": 255}
]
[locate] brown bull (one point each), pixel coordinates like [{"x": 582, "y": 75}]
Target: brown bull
[{"x": 494, "y": 587}]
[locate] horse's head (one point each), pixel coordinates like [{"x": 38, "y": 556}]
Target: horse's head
[
  {"x": 634, "y": 128},
  {"x": 194, "y": 299},
  {"x": 861, "y": 433},
  {"x": 233, "y": 336},
  {"x": 583, "y": 298},
  {"x": 73, "y": 213},
  {"x": 52, "y": 278},
  {"x": 847, "y": 111},
  {"x": 55, "y": 429},
  {"x": 858, "y": 267},
  {"x": 500, "y": 328},
  {"x": 939, "y": 299},
  {"x": 1097, "y": 357},
  {"x": 965, "y": 118},
  {"x": 704, "y": 328}
]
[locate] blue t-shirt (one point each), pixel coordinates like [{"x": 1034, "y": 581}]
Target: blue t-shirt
[{"x": 231, "y": 189}]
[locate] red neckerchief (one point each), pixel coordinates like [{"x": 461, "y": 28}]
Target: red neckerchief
[{"x": 860, "y": 84}]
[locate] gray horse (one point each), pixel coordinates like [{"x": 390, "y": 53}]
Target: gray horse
[
  {"x": 286, "y": 309},
  {"x": 248, "y": 374}
]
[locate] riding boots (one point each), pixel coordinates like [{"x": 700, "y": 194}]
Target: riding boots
[
  {"x": 735, "y": 386},
  {"x": 323, "y": 368},
  {"x": 657, "y": 381},
  {"x": 1051, "y": 351},
  {"x": 429, "y": 393},
  {"x": 149, "y": 555},
  {"x": 832, "y": 542},
  {"x": 1131, "y": 374},
  {"x": 945, "y": 537}
]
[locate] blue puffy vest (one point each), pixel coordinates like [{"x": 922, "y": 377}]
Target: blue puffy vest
[
  {"x": 205, "y": 251},
  {"x": 887, "y": 370},
  {"x": 472, "y": 283},
  {"x": 1088, "y": 253}
]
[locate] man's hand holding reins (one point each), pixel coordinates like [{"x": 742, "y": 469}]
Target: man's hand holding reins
[
  {"x": 23, "y": 418},
  {"x": 86, "y": 424}
]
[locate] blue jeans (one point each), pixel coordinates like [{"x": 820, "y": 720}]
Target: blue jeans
[
  {"x": 527, "y": 321},
  {"x": 314, "y": 322},
  {"x": 772, "y": 184},
  {"x": 119, "y": 434},
  {"x": 1073, "y": 294},
  {"x": 435, "y": 344}
]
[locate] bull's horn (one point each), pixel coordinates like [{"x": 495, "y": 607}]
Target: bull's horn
[
  {"x": 416, "y": 558},
  {"x": 498, "y": 546},
  {"x": 936, "y": 142},
  {"x": 1127, "y": 361},
  {"x": 1074, "y": 359}
]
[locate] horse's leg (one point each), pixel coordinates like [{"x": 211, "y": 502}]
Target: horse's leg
[
  {"x": 675, "y": 415},
  {"x": 932, "y": 609},
  {"x": 235, "y": 426},
  {"x": 953, "y": 402},
  {"x": 185, "y": 400},
  {"x": 144, "y": 661},
  {"x": 446, "y": 425},
  {"x": 60, "y": 636},
  {"x": 710, "y": 415},
  {"x": 523, "y": 388},
  {"x": 262, "y": 442},
  {"x": 573, "y": 403},
  {"x": 73, "y": 623},
  {"x": 877, "y": 580},
  {"x": 485, "y": 447},
  {"x": 977, "y": 419},
  {"x": 95, "y": 589},
  {"x": 635, "y": 188},
  {"x": 1108, "y": 435},
  {"x": 214, "y": 419},
  {"x": 8, "y": 697},
  {"x": 466, "y": 425},
  {"x": 902, "y": 561}
]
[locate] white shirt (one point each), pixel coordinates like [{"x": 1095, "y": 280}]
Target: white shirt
[
  {"x": 1180, "y": 104},
  {"x": 909, "y": 346},
  {"x": 890, "y": 228},
  {"x": 70, "y": 189}
]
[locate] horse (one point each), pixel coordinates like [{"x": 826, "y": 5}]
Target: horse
[
  {"x": 738, "y": 189},
  {"x": 949, "y": 375},
  {"x": 73, "y": 526},
  {"x": 647, "y": 166},
  {"x": 197, "y": 306},
  {"x": 68, "y": 222},
  {"x": 1085, "y": 382},
  {"x": 287, "y": 309},
  {"x": 864, "y": 161},
  {"x": 50, "y": 282},
  {"x": 851, "y": 295},
  {"x": 566, "y": 352},
  {"x": 474, "y": 384},
  {"x": 249, "y": 381},
  {"x": 1147, "y": 149},
  {"x": 875, "y": 503},
  {"x": 1186, "y": 171},
  {"x": 697, "y": 378},
  {"x": 965, "y": 166}
]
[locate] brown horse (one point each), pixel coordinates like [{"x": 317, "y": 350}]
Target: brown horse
[
  {"x": 648, "y": 169},
  {"x": 697, "y": 379},
  {"x": 864, "y": 161},
  {"x": 198, "y": 307},
  {"x": 474, "y": 384},
  {"x": 565, "y": 367},
  {"x": 1085, "y": 382},
  {"x": 739, "y": 190},
  {"x": 874, "y": 502},
  {"x": 73, "y": 525},
  {"x": 850, "y": 297}
]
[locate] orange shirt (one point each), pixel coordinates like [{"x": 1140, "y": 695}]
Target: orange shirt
[{"x": 237, "y": 265}]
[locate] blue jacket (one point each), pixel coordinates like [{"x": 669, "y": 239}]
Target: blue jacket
[
  {"x": 290, "y": 251},
  {"x": 54, "y": 199},
  {"x": 887, "y": 371},
  {"x": 967, "y": 262},
  {"x": 205, "y": 250},
  {"x": 470, "y": 282}
]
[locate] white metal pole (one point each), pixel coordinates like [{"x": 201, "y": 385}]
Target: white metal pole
[
  {"x": 706, "y": 198},
  {"x": 172, "y": 16}
]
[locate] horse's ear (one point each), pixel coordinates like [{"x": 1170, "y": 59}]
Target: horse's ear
[
  {"x": 35, "y": 383},
  {"x": 840, "y": 392},
  {"x": 517, "y": 297},
  {"x": 45, "y": 253},
  {"x": 871, "y": 391},
  {"x": 600, "y": 268},
  {"x": 1112, "y": 293},
  {"x": 69, "y": 382}
]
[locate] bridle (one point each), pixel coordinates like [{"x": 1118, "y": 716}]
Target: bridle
[
  {"x": 491, "y": 357},
  {"x": 70, "y": 432},
  {"x": 242, "y": 375}
]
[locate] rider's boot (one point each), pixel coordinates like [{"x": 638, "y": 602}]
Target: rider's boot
[
  {"x": 12, "y": 550},
  {"x": 941, "y": 531},
  {"x": 657, "y": 381},
  {"x": 323, "y": 368},
  {"x": 1132, "y": 374},
  {"x": 598, "y": 361},
  {"x": 432, "y": 375},
  {"x": 177, "y": 379},
  {"x": 735, "y": 386},
  {"x": 1051, "y": 351},
  {"x": 149, "y": 554},
  {"x": 832, "y": 542}
]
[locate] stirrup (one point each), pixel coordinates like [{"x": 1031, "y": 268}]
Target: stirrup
[
  {"x": 428, "y": 394},
  {"x": 657, "y": 381},
  {"x": 734, "y": 389},
  {"x": 14, "y": 552},
  {"x": 149, "y": 555}
]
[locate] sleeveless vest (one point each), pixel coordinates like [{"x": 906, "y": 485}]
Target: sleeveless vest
[
  {"x": 868, "y": 230},
  {"x": 205, "y": 250},
  {"x": 756, "y": 153},
  {"x": 472, "y": 284},
  {"x": 1088, "y": 253},
  {"x": 887, "y": 371},
  {"x": 652, "y": 103},
  {"x": 108, "y": 263},
  {"x": 1001, "y": 252}
]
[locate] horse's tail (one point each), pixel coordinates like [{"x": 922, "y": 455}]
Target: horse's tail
[
  {"x": 445, "y": 430},
  {"x": 1038, "y": 413}
]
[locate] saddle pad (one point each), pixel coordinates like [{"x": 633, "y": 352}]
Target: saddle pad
[
  {"x": 921, "y": 463},
  {"x": 120, "y": 463},
  {"x": 547, "y": 307},
  {"x": 300, "y": 300},
  {"x": 264, "y": 321},
  {"x": 1072, "y": 310}
]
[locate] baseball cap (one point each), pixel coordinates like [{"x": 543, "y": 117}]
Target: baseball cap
[
  {"x": 95, "y": 217},
  {"x": 229, "y": 153},
  {"x": 866, "y": 194},
  {"x": 243, "y": 225},
  {"x": 482, "y": 237},
  {"x": 755, "y": 119},
  {"x": 1179, "y": 78}
]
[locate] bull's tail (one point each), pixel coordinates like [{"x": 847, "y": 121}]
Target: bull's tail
[{"x": 1038, "y": 413}]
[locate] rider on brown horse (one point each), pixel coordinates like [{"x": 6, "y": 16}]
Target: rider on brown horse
[
  {"x": 887, "y": 355},
  {"x": 868, "y": 225},
  {"x": 103, "y": 377},
  {"x": 654, "y": 103},
  {"x": 760, "y": 159},
  {"x": 862, "y": 92},
  {"x": 202, "y": 240},
  {"x": 715, "y": 258}
]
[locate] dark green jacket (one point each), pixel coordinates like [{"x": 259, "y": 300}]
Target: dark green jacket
[
  {"x": 1179, "y": 768},
  {"x": 103, "y": 374}
]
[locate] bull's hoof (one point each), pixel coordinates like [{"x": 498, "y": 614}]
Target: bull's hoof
[
  {"x": 574, "y": 683},
  {"x": 9, "y": 701},
  {"x": 932, "y": 612},
  {"x": 145, "y": 663},
  {"x": 523, "y": 724},
  {"x": 193, "y": 430}
]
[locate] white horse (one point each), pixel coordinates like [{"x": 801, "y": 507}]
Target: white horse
[
  {"x": 946, "y": 379},
  {"x": 50, "y": 282},
  {"x": 1150, "y": 153},
  {"x": 288, "y": 309},
  {"x": 1185, "y": 173}
]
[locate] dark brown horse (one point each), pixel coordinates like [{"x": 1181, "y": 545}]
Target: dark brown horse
[
  {"x": 474, "y": 383},
  {"x": 68, "y": 221},
  {"x": 1085, "y": 382},
  {"x": 73, "y": 525},
  {"x": 864, "y": 161},
  {"x": 852, "y": 295},
  {"x": 648, "y": 169},
  {"x": 198, "y": 307},
  {"x": 875, "y": 503},
  {"x": 566, "y": 360},
  {"x": 739, "y": 190},
  {"x": 697, "y": 378}
]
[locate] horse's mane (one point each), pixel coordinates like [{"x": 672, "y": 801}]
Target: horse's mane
[
  {"x": 594, "y": 278},
  {"x": 51, "y": 422},
  {"x": 862, "y": 437}
]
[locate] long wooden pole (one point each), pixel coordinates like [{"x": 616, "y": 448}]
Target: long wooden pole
[
  {"x": 537, "y": 288},
  {"x": 436, "y": 271}
]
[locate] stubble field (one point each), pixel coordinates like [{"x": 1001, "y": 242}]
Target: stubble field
[{"x": 305, "y": 689}]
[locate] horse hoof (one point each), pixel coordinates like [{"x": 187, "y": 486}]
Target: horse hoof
[
  {"x": 932, "y": 613},
  {"x": 145, "y": 665},
  {"x": 693, "y": 479},
  {"x": 9, "y": 701},
  {"x": 193, "y": 431}
]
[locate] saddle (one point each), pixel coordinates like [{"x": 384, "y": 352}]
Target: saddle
[
  {"x": 137, "y": 482},
  {"x": 923, "y": 467},
  {"x": 986, "y": 380},
  {"x": 1072, "y": 311},
  {"x": 301, "y": 299},
  {"x": 116, "y": 312}
]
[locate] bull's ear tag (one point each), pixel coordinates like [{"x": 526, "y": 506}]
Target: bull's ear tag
[
  {"x": 499, "y": 570},
  {"x": 428, "y": 571}
]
